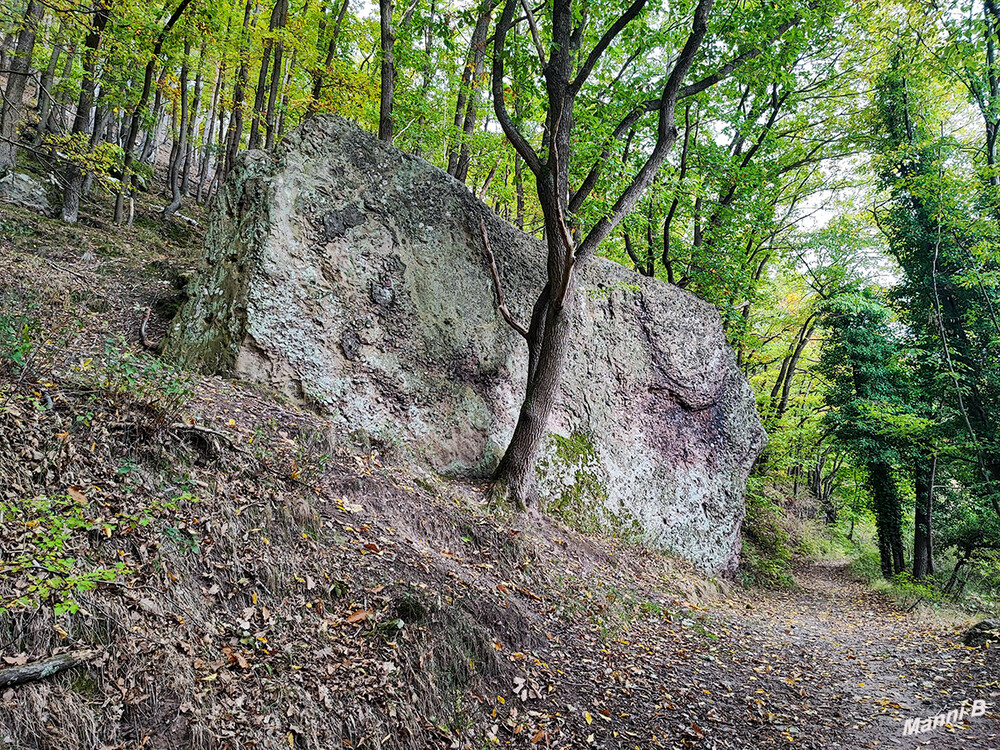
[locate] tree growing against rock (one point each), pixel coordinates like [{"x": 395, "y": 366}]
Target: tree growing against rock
[{"x": 573, "y": 43}]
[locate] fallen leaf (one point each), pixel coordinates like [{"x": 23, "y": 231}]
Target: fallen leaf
[{"x": 360, "y": 616}]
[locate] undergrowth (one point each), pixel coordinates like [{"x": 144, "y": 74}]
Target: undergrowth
[{"x": 767, "y": 555}]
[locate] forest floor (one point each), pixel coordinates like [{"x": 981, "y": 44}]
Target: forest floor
[
  {"x": 840, "y": 665},
  {"x": 248, "y": 580}
]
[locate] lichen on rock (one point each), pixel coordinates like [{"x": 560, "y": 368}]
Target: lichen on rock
[{"x": 352, "y": 277}]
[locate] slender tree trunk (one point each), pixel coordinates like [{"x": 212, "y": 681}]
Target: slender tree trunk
[
  {"x": 102, "y": 116},
  {"x": 465, "y": 104},
  {"x": 57, "y": 115},
  {"x": 388, "y": 71},
  {"x": 206, "y": 150},
  {"x": 192, "y": 128},
  {"x": 174, "y": 178},
  {"x": 259, "y": 93},
  {"x": 331, "y": 50},
  {"x": 924, "y": 476},
  {"x": 81, "y": 123},
  {"x": 136, "y": 118},
  {"x": 270, "y": 123},
  {"x": 272, "y": 46},
  {"x": 235, "y": 133},
  {"x": 960, "y": 563},
  {"x": 519, "y": 190},
  {"x": 150, "y": 144},
  {"x": 282, "y": 115},
  {"x": 45, "y": 100},
  {"x": 17, "y": 81},
  {"x": 428, "y": 71}
]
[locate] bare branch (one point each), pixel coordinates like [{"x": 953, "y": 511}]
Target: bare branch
[
  {"x": 501, "y": 302},
  {"x": 533, "y": 26}
]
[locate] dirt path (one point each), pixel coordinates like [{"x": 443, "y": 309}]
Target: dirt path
[{"x": 838, "y": 665}]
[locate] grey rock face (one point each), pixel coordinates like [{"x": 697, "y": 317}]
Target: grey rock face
[
  {"x": 24, "y": 190},
  {"x": 354, "y": 277}
]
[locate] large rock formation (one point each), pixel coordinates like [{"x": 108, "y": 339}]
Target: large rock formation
[{"x": 353, "y": 277}]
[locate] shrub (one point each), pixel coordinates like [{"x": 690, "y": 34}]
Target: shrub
[{"x": 767, "y": 556}]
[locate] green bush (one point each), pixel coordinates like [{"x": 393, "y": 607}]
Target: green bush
[
  {"x": 136, "y": 378},
  {"x": 17, "y": 334},
  {"x": 45, "y": 565},
  {"x": 49, "y": 541},
  {"x": 767, "y": 556},
  {"x": 867, "y": 566}
]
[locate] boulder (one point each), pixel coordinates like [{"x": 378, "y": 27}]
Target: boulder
[
  {"x": 982, "y": 633},
  {"x": 24, "y": 190},
  {"x": 353, "y": 277}
]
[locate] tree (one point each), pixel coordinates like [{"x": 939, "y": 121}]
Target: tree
[
  {"x": 868, "y": 402},
  {"x": 12, "y": 110},
  {"x": 940, "y": 227},
  {"x": 273, "y": 45},
  {"x": 81, "y": 122},
  {"x": 465, "y": 103},
  {"x": 574, "y": 54},
  {"x": 388, "y": 34},
  {"x": 139, "y": 110}
]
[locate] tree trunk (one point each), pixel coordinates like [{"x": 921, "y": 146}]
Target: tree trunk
[
  {"x": 17, "y": 81},
  {"x": 924, "y": 477},
  {"x": 519, "y": 190},
  {"x": 270, "y": 124},
  {"x": 81, "y": 123},
  {"x": 320, "y": 73},
  {"x": 174, "y": 176},
  {"x": 428, "y": 71},
  {"x": 258, "y": 102},
  {"x": 548, "y": 344},
  {"x": 206, "y": 148},
  {"x": 136, "y": 118},
  {"x": 388, "y": 71},
  {"x": 57, "y": 115},
  {"x": 888, "y": 518},
  {"x": 150, "y": 145},
  {"x": 465, "y": 104},
  {"x": 102, "y": 116},
  {"x": 235, "y": 133},
  {"x": 193, "y": 123},
  {"x": 265, "y": 65},
  {"x": 282, "y": 115},
  {"x": 45, "y": 100},
  {"x": 821, "y": 485}
]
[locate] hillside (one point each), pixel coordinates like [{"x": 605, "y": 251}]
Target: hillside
[{"x": 230, "y": 578}]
